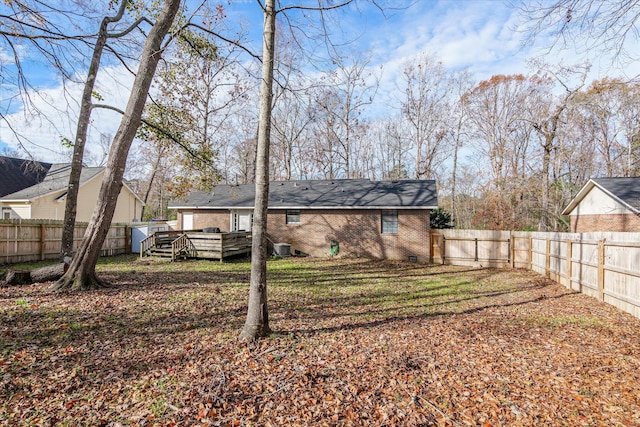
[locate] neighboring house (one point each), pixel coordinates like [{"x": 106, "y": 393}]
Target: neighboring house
[
  {"x": 18, "y": 174},
  {"x": 606, "y": 204},
  {"x": 33, "y": 190},
  {"x": 374, "y": 219}
]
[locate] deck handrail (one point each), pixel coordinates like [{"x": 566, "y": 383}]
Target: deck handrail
[
  {"x": 146, "y": 244},
  {"x": 179, "y": 245}
]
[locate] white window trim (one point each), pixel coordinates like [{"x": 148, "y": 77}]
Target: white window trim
[
  {"x": 9, "y": 211},
  {"x": 382, "y": 222},
  {"x": 286, "y": 218}
]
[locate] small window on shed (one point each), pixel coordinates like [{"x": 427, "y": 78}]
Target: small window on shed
[
  {"x": 6, "y": 213},
  {"x": 293, "y": 217},
  {"x": 389, "y": 222}
]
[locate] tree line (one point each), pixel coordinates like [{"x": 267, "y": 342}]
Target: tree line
[{"x": 508, "y": 152}]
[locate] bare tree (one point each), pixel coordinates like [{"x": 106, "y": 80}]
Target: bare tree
[
  {"x": 351, "y": 86},
  {"x": 84, "y": 118},
  {"x": 293, "y": 113},
  {"x": 201, "y": 86},
  {"x": 458, "y": 134},
  {"x": 502, "y": 137},
  {"x": 257, "y": 321},
  {"x": 589, "y": 25},
  {"x": 546, "y": 116},
  {"x": 390, "y": 140},
  {"x": 81, "y": 273},
  {"x": 426, "y": 108},
  {"x": 36, "y": 23}
]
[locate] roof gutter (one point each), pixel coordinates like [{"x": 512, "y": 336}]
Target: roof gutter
[{"x": 308, "y": 207}]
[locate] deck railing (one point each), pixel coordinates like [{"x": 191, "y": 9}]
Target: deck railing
[
  {"x": 146, "y": 244},
  {"x": 182, "y": 247}
]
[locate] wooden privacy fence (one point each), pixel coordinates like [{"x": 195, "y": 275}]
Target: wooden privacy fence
[
  {"x": 39, "y": 240},
  {"x": 603, "y": 265}
]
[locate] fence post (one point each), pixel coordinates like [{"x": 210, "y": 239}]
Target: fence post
[
  {"x": 432, "y": 246},
  {"x": 476, "y": 250},
  {"x": 42, "y": 242},
  {"x": 601, "y": 269},
  {"x": 512, "y": 250},
  {"x": 127, "y": 239},
  {"x": 547, "y": 262},
  {"x": 530, "y": 252},
  {"x": 569, "y": 263}
]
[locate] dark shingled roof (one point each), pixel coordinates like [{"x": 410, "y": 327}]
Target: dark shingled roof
[
  {"x": 57, "y": 179},
  {"x": 18, "y": 174},
  {"x": 626, "y": 190},
  {"x": 320, "y": 194}
]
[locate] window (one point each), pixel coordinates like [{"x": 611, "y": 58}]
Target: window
[
  {"x": 389, "y": 222},
  {"x": 6, "y": 213},
  {"x": 293, "y": 217}
]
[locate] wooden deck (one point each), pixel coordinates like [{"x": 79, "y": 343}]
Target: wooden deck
[{"x": 196, "y": 244}]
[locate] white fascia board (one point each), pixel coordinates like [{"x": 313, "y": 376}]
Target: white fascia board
[
  {"x": 293, "y": 207},
  {"x": 578, "y": 198},
  {"x": 134, "y": 193},
  {"x": 27, "y": 201},
  {"x": 209, "y": 207}
]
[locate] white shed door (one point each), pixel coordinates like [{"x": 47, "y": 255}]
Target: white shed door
[{"x": 187, "y": 220}]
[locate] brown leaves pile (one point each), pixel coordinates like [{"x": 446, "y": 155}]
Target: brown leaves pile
[{"x": 356, "y": 343}]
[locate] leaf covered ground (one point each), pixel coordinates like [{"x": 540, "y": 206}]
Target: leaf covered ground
[{"x": 355, "y": 343}]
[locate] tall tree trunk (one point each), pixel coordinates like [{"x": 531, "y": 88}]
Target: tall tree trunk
[
  {"x": 257, "y": 322},
  {"x": 81, "y": 273},
  {"x": 71, "y": 203},
  {"x": 544, "y": 224}
]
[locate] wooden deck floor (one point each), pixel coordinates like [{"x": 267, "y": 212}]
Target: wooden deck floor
[{"x": 196, "y": 244}]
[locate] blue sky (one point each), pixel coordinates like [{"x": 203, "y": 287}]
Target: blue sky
[{"x": 478, "y": 35}]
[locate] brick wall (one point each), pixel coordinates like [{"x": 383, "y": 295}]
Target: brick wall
[
  {"x": 588, "y": 223},
  {"x": 209, "y": 218},
  {"x": 356, "y": 231}
]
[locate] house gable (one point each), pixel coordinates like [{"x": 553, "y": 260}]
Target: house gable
[
  {"x": 606, "y": 204},
  {"x": 598, "y": 202}
]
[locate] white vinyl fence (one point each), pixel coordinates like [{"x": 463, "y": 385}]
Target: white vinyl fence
[{"x": 603, "y": 265}]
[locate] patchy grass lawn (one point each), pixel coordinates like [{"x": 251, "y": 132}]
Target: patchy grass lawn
[{"x": 355, "y": 343}]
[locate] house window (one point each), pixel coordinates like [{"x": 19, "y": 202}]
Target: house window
[
  {"x": 389, "y": 222},
  {"x": 293, "y": 217},
  {"x": 6, "y": 213}
]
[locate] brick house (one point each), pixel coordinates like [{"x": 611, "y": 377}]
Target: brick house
[
  {"x": 606, "y": 204},
  {"x": 372, "y": 219}
]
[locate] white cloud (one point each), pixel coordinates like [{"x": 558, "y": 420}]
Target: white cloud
[
  {"x": 481, "y": 36},
  {"x": 39, "y": 128}
]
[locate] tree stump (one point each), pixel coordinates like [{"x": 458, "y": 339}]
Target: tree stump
[{"x": 18, "y": 277}]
